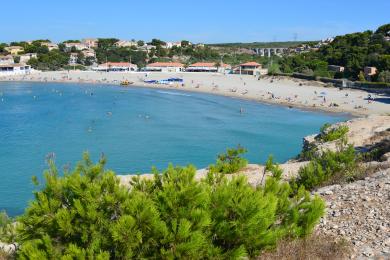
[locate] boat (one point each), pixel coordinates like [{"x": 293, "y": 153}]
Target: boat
[{"x": 126, "y": 83}]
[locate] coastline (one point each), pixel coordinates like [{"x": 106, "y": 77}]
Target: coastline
[{"x": 293, "y": 93}]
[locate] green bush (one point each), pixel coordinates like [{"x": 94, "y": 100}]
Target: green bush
[
  {"x": 7, "y": 230},
  {"x": 87, "y": 214},
  {"x": 329, "y": 167},
  {"x": 230, "y": 162},
  {"x": 328, "y": 134}
]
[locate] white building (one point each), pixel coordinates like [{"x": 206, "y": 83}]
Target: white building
[
  {"x": 79, "y": 46},
  {"x": 24, "y": 58},
  {"x": 14, "y": 50},
  {"x": 51, "y": 46},
  {"x": 116, "y": 67},
  {"x": 90, "y": 42},
  {"x": 89, "y": 53},
  {"x": 208, "y": 67},
  {"x": 165, "y": 67},
  {"x": 14, "y": 69},
  {"x": 169, "y": 45},
  {"x": 6, "y": 59},
  {"x": 124, "y": 43},
  {"x": 73, "y": 58}
]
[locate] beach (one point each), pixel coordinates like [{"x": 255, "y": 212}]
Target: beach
[{"x": 276, "y": 90}]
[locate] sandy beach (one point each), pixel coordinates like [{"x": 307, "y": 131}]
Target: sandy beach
[{"x": 276, "y": 90}]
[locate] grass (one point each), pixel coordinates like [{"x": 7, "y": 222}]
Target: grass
[{"x": 315, "y": 247}]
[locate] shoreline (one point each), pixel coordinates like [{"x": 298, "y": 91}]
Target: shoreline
[{"x": 292, "y": 93}]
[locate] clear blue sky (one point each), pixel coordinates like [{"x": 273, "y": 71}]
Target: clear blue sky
[{"x": 208, "y": 21}]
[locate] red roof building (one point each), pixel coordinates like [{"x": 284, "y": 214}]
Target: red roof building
[
  {"x": 165, "y": 67},
  {"x": 249, "y": 68},
  {"x": 207, "y": 67}
]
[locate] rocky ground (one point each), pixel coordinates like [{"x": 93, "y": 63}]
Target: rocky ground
[{"x": 359, "y": 212}]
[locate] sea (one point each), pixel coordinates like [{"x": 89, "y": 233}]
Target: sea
[{"x": 135, "y": 128}]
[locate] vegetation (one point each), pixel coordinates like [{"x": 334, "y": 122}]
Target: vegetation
[
  {"x": 353, "y": 51},
  {"x": 328, "y": 168},
  {"x": 313, "y": 247},
  {"x": 328, "y": 133},
  {"x": 7, "y": 231},
  {"x": 87, "y": 214},
  {"x": 230, "y": 162},
  {"x": 53, "y": 60},
  {"x": 384, "y": 76}
]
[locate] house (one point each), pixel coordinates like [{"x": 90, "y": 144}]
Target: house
[
  {"x": 77, "y": 45},
  {"x": 123, "y": 43},
  {"x": 249, "y": 68},
  {"x": 6, "y": 59},
  {"x": 165, "y": 67},
  {"x": 89, "y": 53},
  {"x": 370, "y": 71},
  {"x": 24, "y": 58},
  {"x": 207, "y": 67},
  {"x": 90, "y": 42},
  {"x": 14, "y": 50},
  {"x": 50, "y": 46},
  {"x": 14, "y": 69},
  {"x": 336, "y": 68},
  {"x": 116, "y": 67},
  {"x": 169, "y": 45},
  {"x": 74, "y": 56}
]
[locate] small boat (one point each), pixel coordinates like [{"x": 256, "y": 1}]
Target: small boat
[{"x": 126, "y": 83}]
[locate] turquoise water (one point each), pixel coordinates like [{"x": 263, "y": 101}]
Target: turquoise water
[{"x": 135, "y": 128}]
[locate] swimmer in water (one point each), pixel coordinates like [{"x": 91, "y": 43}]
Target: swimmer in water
[{"x": 241, "y": 110}]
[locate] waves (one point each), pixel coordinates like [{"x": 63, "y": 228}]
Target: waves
[{"x": 173, "y": 93}]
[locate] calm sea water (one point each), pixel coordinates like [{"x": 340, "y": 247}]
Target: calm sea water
[{"x": 135, "y": 128}]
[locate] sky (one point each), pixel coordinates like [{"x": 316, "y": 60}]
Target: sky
[{"x": 200, "y": 21}]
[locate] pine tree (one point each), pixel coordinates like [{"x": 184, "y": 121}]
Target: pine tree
[{"x": 87, "y": 214}]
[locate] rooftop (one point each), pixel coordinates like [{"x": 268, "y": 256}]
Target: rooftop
[
  {"x": 12, "y": 65},
  {"x": 117, "y": 64},
  {"x": 251, "y": 63},
  {"x": 207, "y": 64},
  {"x": 165, "y": 64}
]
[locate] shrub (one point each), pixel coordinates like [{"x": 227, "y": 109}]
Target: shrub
[
  {"x": 384, "y": 76},
  {"x": 230, "y": 162},
  {"x": 328, "y": 134},
  {"x": 87, "y": 214},
  {"x": 7, "y": 230},
  {"x": 329, "y": 167}
]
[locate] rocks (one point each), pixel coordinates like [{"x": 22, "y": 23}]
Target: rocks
[
  {"x": 360, "y": 213},
  {"x": 8, "y": 248},
  {"x": 363, "y": 133}
]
